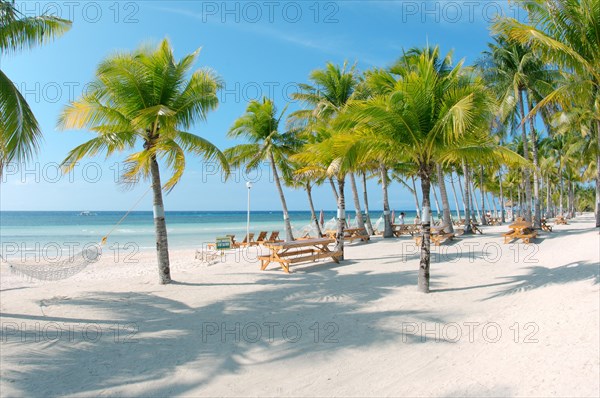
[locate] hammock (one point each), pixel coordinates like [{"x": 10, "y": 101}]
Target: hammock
[{"x": 63, "y": 269}]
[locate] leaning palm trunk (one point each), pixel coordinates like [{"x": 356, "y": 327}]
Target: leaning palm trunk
[
  {"x": 462, "y": 193},
  {"x": 359, "y": 217},
  {"x": 286, "y": 216},
  {"x": 537, "y": 212},
  {"x": 424, "y": 264},
  {"x": 435, "y": 199},
  {"x": 482, "y": 191},
  {"x": 447, "y": 217},
  {"x": 494, "y": 205},
  {"x": 366, "y": 198},
  {"x": 468, "y": 229},
  {"x": 526, "y": 175},
  {"x": 341, "y": 219},
  {"x": 562, "y": 187},
  {"x": 474, "y": 203},
  {"x": 160, "y": 225},
  {"x": 416, "y": 197},
  {"x": 455, "y": 196},
  {"x": 335, "y": 192},
  {"x": 313, "y": 215},
  {"x": 387, "y": 222}
]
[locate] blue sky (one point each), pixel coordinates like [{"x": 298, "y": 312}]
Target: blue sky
[{"x": 257, "y": 47}]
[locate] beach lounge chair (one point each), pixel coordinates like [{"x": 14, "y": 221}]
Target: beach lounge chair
[
  {"x": 274, "y": 238},
  {"x": 262, "y": 236},
  {"x": 248, "y": 241}
]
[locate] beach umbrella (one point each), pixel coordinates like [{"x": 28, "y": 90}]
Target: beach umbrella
[{"x": 321, "y": 218}]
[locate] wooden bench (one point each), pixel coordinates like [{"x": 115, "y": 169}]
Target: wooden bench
[
  {"x": 306, "y": 250},
  {"x": 508, "y": 236}
]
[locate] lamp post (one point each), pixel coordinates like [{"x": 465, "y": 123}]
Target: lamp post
[{"x": 249, "y": 186}]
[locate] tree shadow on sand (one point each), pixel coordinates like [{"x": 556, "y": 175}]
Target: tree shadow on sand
[
  {"x": 537, "y": 277},
  {"x": 176, "y": 338}
]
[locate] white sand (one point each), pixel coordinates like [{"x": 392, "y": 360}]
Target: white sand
[{"x": 370, "y": 320}]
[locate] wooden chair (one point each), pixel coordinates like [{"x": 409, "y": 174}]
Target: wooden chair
[
  {"x": 274, "y": 237},
  {"x": 262, "y": 236},
  {"x": 248, "y": 241},
  {"x": 545, "y": 226}
]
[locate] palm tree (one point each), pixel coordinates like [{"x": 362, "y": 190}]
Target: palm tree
[
  {"x": 519, "y": 77},
  {"x": 326, "y": 97},
  {"x": 432, "y": 112},
  {"x": 20, "y": 133},
  {"x": 567, "y": 34},
  {"x": 260, "y": 126},
  {"x": 146, "y": 96}
]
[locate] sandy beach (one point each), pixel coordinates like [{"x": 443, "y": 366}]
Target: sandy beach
[{"x": 502, "y": 320}]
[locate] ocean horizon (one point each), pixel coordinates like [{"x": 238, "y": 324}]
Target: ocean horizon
[{"x": 33, "y": 230}]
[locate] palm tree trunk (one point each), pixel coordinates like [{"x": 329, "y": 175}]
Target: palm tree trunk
[
  {"x": 387, "y": 222},
  {"x": 160, "y": 225},
  {"x": 359, "y": 217},
  {"x": 424, "y": 264},
  {"x": 570, "y": 198},
  {"x": 494, "y": 205},
  {"x": 520, "y": 201},
  {"x": 462, "y": 193},
  {"x": 286, "y": 216},
  {"x": 435, "y": 199},
  {"x": 416, "y": 196},
  {"x": 468, "y": 229},
  {"x": 526, "y": 175},
  {"x": 341, "y": 218},
  {"x": 368, "y": 223},
  {"x": 502, "y": 213},
  {"x": 455, "y": 196},
  {"x": 512, "y": 208},
  {"x": 313, "y": 215},
  {"x": 447, "y": 217},
  {"x": 482, "y": 190},
  {"x": 562, "y": 187},
  {"x": 335, "y": 192},
  {"x": 472, "y": 197},
  {"x": 537, "y": 212},
  {"x": 548, "y": 201}
]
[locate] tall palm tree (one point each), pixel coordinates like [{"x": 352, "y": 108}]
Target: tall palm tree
[
  {"x": 566, "y": 33},
  {"x": 20, "y": 133},
  {"x": 146, "y": 96},
  {"x": 326, "y": 97},
  {"x": 260, "y": 126},
  {"x": 432, "y": 112},
  {"x": 518, "y": 76}
]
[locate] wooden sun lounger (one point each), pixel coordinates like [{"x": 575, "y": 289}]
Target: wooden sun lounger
[
  {"x": 248, "y": 241},
  {"x": 560, "y": 220},
  {"x": 262, "y": 236},
  {"x": 287, "y": 253},
  {"x": 274, "y": 238}
]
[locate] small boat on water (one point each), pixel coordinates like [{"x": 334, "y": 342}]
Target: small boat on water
[{"x": 87, "y": 213}]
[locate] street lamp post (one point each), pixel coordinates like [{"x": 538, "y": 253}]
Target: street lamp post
[{"x": 249, "y": 186}]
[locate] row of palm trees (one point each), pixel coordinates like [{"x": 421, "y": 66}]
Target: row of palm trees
[{"x": 423, "y": 118}]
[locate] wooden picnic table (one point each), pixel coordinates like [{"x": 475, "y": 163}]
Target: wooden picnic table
[
  {"x": 287, "y": 253},
  {"x": 437, "y": 235},
  {"x": 350, "y": 234},
  {"x": 520, "y": 230},
  {"x": 400, "y": 229}
]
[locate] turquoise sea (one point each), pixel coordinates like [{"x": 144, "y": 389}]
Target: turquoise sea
[{"x": 186, "y": 229}]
